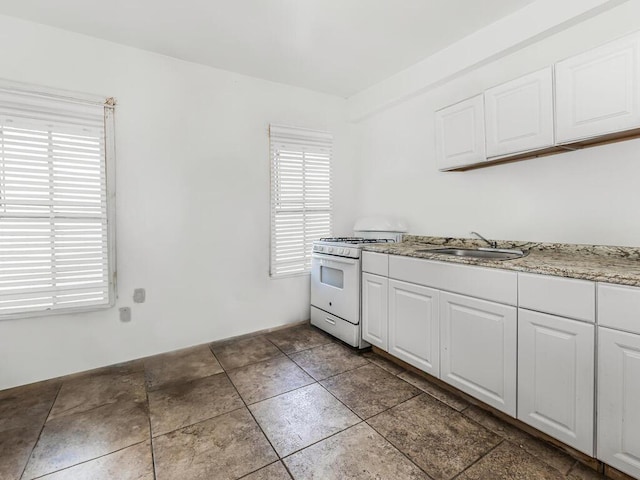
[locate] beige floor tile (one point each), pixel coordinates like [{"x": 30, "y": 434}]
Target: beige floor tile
[
  {"x": 299, "y": 418},
  {"x": 72, "y": 439},
  {"x": 493, "y": 423},
  {"x": 225, "y": 447},
  {"x": 451, "y": 399},
  {"x": 15, "y": 447},
  {"x": 27, "y": 406},
  {"x": 180, "y": 366},
  {"x": 131, "y": 463},
  {"x": 98, "y": 421},
  {"x": 437, "y": 438},
  {"x": 238, "y": 353},
  {"x": 295, "y": 339},
  {"x": 582, "y": 472},
  {"x": 275, "y": 471},
  {"x": 328, "y": 360},
  {"x": 266, "y": 379},
  {"x": 91, "y": 391},
  {"x": 358, "y": 453},
  {"x": 536, "y": 447},
  {"x": 510, "y": 462},
  {"x": 388, "y": 365},
  {"x": 183, "y": 404},
  {"x": 369, "y": 390}
]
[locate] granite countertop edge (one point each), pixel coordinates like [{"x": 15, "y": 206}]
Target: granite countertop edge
[{"x": 597, "y": 263}]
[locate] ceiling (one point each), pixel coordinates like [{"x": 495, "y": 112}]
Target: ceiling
[{"x": 335, "y": 46}]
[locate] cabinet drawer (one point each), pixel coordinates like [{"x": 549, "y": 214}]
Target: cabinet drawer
[
  {"x": 377, "y": 263},
  {"x": 487, "y": 283},
  {"x": 566, "y": 297},
  {"x": 336, "y": 326},
  {"x": 619, "y": 307}
]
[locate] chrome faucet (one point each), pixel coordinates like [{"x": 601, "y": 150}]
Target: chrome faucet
[{"x": 491, "y": 244}]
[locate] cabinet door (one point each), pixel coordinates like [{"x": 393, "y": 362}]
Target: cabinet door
[
  {"x": 414, "y": 329},
  {"x": 597, "y": 92},
  {"x": 460, "y": 134},
  {"x": 556, "y": 363},
  {"x": 478, "y": 349},
  {"x": 374, "y": 309},
  {"x": 519, "y": 114},
  {"x": 619, "y": 400}
]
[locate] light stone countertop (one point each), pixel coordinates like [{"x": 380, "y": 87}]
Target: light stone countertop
[{"x": 599, "y": 263}]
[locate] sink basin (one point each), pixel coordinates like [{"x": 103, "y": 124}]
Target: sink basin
[{"x": 483, "y": 253}]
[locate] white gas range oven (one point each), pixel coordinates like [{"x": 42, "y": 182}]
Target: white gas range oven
[{"x": 335, "y": 282}]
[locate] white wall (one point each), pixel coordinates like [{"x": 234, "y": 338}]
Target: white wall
[
  {"x": 192, "y": 201},
  {"x": 588, "y": 196},
  {"x": 193, "y": 188}
]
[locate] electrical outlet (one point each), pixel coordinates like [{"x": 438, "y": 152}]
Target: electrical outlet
[
  {"x": 125, "y": 314},
  {"x": 139, "y": 295}
]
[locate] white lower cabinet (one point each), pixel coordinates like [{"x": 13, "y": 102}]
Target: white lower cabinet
[
  {"x": 374, "y": 309},
  {"x": 414, "y": 328},
  {"x": 537, "y": 367},
  {"x": 479, "y": 349},
  {"x": 556, "y": 363},
  {"x": 619, "y": 400}
]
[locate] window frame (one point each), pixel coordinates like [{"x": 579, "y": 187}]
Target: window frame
[
  {"x": 306, "y": 139},
  {"x": 108, "y": 103}
]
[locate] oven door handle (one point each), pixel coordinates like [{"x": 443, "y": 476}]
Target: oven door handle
[{"x": 333, "y": 258}]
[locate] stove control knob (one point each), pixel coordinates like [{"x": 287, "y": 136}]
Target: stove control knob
[
  {"x": 347, "y": 251},
  {"x": 340, "y": 251},
  {"x": 330, "y": 249},
  {"x": 319, "y": 248}
]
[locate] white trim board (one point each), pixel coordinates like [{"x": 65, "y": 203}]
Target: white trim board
[{"x": 537, "y": 21}]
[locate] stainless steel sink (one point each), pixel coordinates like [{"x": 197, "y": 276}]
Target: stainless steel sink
[{"x": 483, "y": 253}]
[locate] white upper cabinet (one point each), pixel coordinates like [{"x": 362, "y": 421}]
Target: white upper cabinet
[
  {"x": 460, "y": 134},
  {"x": 519, "y": 114},
  {"x": 597, "y": 92}
]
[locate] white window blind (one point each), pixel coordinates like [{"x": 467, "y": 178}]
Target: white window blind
[
  {"x": 54, "y": 204},
  {"x": 301, "y": 209}
]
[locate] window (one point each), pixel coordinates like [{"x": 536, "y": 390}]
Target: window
[
  {"x": 300, "y": 196},
  {"x": 56, "y": 199}
]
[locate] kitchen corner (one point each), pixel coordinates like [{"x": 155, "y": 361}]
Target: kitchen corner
[{"x": 551, "y": 339}]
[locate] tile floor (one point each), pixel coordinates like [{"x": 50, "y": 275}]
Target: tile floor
[{"x": 289, "y": 404}]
